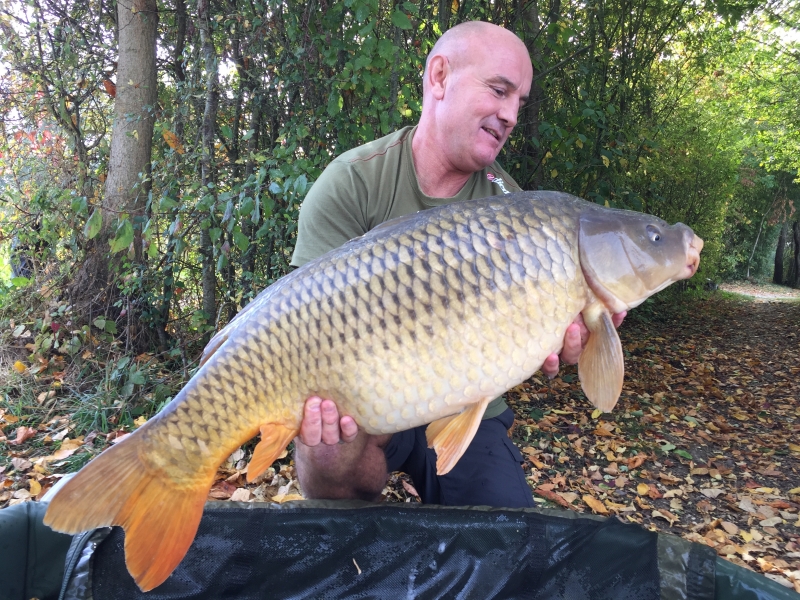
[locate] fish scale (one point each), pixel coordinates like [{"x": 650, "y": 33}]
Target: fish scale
[{"x": 424, "y": 319}]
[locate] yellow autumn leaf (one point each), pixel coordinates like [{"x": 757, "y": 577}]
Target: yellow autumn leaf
[
  {"x": 795, "y": 491},
  {"x": 281, "y": 498},
  {"x": 747, "y": 537},
  {"x": 596, "y": 413},
  {"x": 642, "y": 489},
  {"x": 606, "y": 162},
  {"x": 140, "y": 421},
  {"x": 35, "y": 487},
  {"x": 173, "y": 141},
  {"x": 794, "y": 447},
  {"x": 579, "y": 143},
  {"x": 595, "y": 505},
  {"x": 554, "y": 173},
  {"x": 20, "y": 367}
]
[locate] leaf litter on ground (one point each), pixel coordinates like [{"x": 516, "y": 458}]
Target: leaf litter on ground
[{"x": 702, "y": 444}]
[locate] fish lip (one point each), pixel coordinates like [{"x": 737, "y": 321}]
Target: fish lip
[{"x": 693, "y": 255}]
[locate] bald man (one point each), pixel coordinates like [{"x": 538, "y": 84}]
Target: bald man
[{"x": 476, "y": 79}]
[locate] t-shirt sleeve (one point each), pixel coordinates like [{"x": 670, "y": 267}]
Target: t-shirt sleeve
[{"x": 333, "y": 213}]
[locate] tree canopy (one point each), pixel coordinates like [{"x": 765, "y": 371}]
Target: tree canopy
[{"x": 683, "y": 110}]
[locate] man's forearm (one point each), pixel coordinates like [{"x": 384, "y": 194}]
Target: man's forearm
[{"x": 355, "y": 470}]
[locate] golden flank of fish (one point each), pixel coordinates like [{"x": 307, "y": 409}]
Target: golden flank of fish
[{"x": 425, "y": 319}]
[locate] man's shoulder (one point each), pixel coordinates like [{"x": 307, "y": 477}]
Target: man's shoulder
[{"x": 378, "y": 149}]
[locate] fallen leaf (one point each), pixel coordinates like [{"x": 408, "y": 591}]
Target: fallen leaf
[
  {"x": 642, "y": 489},
  {"x": 570, "y": 497},
  {"x": 44, "y": 396},
  {"x": 729, "y": 527},
  {"x": 35, "y": 487},
  {"x": 281, "y": 498},
  {"x": 712, "y": 492},
  {"x": 241, "y": 495},
  {"x": 666, "y": 515},
  {"x": 119, "y": 437},
  {"x": 23, "y": 433},
  {"x": 20, "y": 367},
  {"x": 771, "y": 522},
  {"x": 410, "y": 489},
  {"x": 595, "y": 504},
  {"x": 549, "y": 494},
  {"x": 21, "y": 464}
]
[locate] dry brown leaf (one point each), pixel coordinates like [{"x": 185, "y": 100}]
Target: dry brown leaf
[
  {"x": 173, "y": 141},
  {"x": 570, "y": 497},
  {"x": 45, "y": 396},
  {"x": 21, "y": 464},
  {"x": 664, "y": 514},
  {"x": 281, "y": 498},
  {"x": 729, "y": 527},
  {"x": 712, "y": 492},
  {"x": 241, "y": 495},
  {"x": 23, "y": 433},
  {"x": 595, "y": 504},
  {"x": 549, "y": 494},
  {"x": 410, "y": 489}
]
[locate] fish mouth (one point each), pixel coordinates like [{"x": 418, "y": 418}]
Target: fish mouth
[{"x": 693, "y": 255}]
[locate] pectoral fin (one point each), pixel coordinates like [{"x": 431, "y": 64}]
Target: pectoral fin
[
  {"x": 450, "y": 436},
  {"x": 601, "y": 367},
  {"x": 274, "y": 439}
]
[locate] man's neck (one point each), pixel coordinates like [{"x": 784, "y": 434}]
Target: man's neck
[{"x": 436, "y": 178}]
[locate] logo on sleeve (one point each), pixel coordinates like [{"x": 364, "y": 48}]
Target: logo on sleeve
[{"x": 498, "y": 181}]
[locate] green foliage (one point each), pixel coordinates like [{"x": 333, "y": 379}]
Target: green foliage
[{"x": 650, "y": 106}]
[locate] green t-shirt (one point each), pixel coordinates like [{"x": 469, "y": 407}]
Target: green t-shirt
[{"x": 374, "y": 183}]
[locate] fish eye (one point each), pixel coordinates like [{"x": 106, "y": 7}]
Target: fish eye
[{"x": 653, "y": 234}]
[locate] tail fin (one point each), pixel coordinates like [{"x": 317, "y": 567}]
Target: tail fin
[{"x": 160, "y": 516}]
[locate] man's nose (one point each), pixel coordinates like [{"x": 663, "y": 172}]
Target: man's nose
[{"x": 508, "y": 113}]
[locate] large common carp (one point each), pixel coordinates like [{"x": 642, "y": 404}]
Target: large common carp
[{"x": 424, "y": 319}]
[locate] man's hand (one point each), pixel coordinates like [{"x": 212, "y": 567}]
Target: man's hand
[
  {"x": 329, "y": 469},
  {"x": 321, "y": 423},
  {"x": 574, "y": 342}
]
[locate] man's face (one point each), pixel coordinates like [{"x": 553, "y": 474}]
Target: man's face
[{"x": 481, "y": 101}]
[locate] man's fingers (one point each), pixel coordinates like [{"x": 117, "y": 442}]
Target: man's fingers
[
  {"x": 349, "y": 429},
  {"x": 573, "y": 343},
  {"x": 550, "y": 366},
  {"x": 311, "y": 426},
  {"x": 330, "y": 423}
]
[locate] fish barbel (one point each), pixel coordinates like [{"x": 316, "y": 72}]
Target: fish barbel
[{"x": 424, "y": 319}]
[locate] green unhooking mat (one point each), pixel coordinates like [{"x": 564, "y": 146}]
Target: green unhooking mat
[{"x": 357, "y": 550}]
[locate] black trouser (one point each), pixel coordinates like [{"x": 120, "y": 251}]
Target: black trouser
[{"x": 489, "y": 473}]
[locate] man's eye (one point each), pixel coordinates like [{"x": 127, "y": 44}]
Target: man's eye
[{"x": 499, "y": 91}]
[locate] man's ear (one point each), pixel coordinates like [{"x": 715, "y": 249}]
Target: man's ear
[{"x": 438, "y": 71}]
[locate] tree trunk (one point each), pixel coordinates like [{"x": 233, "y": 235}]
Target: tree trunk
[
  {"x": 209, "y": 277},
  {"x": 777, "y": 276},
  {"x": 795, "y": 283},
  {"x": 131, "y": 143}
]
